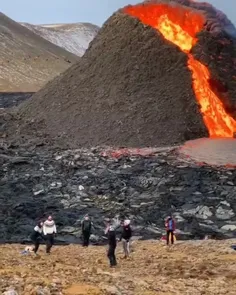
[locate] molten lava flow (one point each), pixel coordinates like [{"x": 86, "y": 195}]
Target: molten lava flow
[{"x": 180, "y": 25}]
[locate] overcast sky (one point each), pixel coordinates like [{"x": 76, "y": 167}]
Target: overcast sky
[{"x": 68, "y": 11}]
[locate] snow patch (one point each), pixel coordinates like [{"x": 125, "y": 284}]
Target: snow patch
[{"x": 75, "y": 38}]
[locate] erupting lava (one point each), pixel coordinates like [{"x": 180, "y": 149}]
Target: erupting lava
[{"x": 180, "y": 26}]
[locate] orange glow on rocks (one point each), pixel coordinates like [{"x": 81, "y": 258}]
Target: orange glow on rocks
[{"x": 180, "y": 26}]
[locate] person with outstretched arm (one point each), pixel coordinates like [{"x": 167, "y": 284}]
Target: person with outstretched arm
[
  {"x": 111, "y": 234},
  {"x": 49, "y": 230},
  {"x": 86, "y": 230},
  {"x": 37, "y": 235},
  {"x": 170, "y": 229},
  {"x": 125, "y": 237}
]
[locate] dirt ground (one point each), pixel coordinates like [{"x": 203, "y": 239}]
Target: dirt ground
[{"x": 194, "y": 267}]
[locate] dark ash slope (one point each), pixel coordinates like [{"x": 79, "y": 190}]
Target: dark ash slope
[{"x": 131, "y": 88}]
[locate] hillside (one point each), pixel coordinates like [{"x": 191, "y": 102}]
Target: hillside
[
  {"x": 28, "y": 61},
  {"x": 198, "y": 267},
  {"x": 74, "y": 38}
]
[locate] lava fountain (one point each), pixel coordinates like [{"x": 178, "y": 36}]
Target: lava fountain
[{"x": 180, "y": 25}]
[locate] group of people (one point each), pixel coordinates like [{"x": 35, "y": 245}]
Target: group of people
[
  {"x": 47, "y": 230},
  {"x": 125, "y": 237},
  {"x": 110, "y": 231}
]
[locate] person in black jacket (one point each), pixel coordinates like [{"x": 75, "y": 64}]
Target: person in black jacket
[
  {"x": 37, "y": 235},
  {"x": 111, "y": 233},
  {"x": 125, "y": 237},
  {"x": 86, "y": 230}
]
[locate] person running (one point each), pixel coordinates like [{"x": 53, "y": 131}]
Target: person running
[
  {"x": 36, "y": 236},
  {"x": 49, "y": 230},
  {"x": 111, "y": 233},
  {"x": 170, "y": 228},
  {"x": 86, "y": 230},
  {"x": 125, "y": 237}
]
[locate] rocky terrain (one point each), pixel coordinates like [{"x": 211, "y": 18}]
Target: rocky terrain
[
  {"x": 27, "y": 61},
  {"x": 74, "y": 38},
  {"x": 37, "y": 181},
  {"x": 11, "y": 99},
  {"x": 199, "y": 267}
]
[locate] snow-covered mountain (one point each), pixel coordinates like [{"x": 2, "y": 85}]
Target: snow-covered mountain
[
  {"x": 74, "y": 38},
  {"x": 28, "y": 61}
]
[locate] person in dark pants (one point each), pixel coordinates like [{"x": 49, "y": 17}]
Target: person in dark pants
[
  {"x": 170, "y": 228},
  {"x": 49, "y": 230},
  {"x": 126, "y": 236},
  {"x": 36, "y": 236},
  {"x": 86, "y": 230},
  {"x": 111, "y": 233}
]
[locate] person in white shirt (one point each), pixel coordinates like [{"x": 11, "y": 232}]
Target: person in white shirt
[{"x": 49, "y": 231}]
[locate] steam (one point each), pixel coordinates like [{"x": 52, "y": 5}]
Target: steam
[{"x": 217, "y": 21}]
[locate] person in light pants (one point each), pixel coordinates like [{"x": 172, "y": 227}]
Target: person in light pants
[
  {"x": 125, "y": 237},
  {"x": 49, "y": 230}
]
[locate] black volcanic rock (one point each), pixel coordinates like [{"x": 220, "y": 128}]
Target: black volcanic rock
[{"x": 69, "y": 184}]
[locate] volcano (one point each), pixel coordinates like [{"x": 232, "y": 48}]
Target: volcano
[{"x": 157, "y": 73}]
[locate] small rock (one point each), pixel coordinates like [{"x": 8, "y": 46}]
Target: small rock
[
  {"x": 20, "y": 160},
  {"x": 225, "y": 203},
  {"x": 81, "y": 188},
  {"x": 111, "y": 290},
  {"x": 204, "y": 212},
  {"x": 38, "y": 192},
  {"x": 11, "y": 291},
  {"x": 94, "y": 238},
  {"x": 87, "y": 200},
  {"x": 68, "y": 229},
  {"x": 229, "y": 227},
  {"x": 224, "y": 214},
  {"x": 197, "y": 193},
  {"x": 42, "y": 291},
  {"x": 58, "y": 158}
]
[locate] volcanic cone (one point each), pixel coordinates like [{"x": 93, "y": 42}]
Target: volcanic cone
[{"x": 158, "y": 73}]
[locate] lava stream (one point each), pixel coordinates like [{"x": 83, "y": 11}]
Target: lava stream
[{"x": 180, "y": 26}]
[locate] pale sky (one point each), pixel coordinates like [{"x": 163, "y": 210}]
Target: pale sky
[{"x": 69, "y": 11}]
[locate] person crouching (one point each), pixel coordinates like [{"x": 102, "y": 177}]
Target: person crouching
[
  {"x": 49, "y": 230},
  {"x": 36, "y": 236}
]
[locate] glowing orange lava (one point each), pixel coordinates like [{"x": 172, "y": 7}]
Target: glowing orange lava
[{"x": 180, "y": 26}]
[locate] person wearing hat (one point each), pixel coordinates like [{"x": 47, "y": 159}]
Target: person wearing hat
[
  {"x": 49, "y": 230},
  {"x": 111, "y": 234},
  {"x": 126, "y": 236}
]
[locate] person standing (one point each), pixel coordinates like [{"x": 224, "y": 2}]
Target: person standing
[
  {"x": 170, "y": 228},
  {"x": 49, "y": 230},
  {"x": 125, "y": 237},
  {"x": 86, "y": 230},
  {"x": 111, "y": 233},
  {"x": 36, "y": 236}
]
